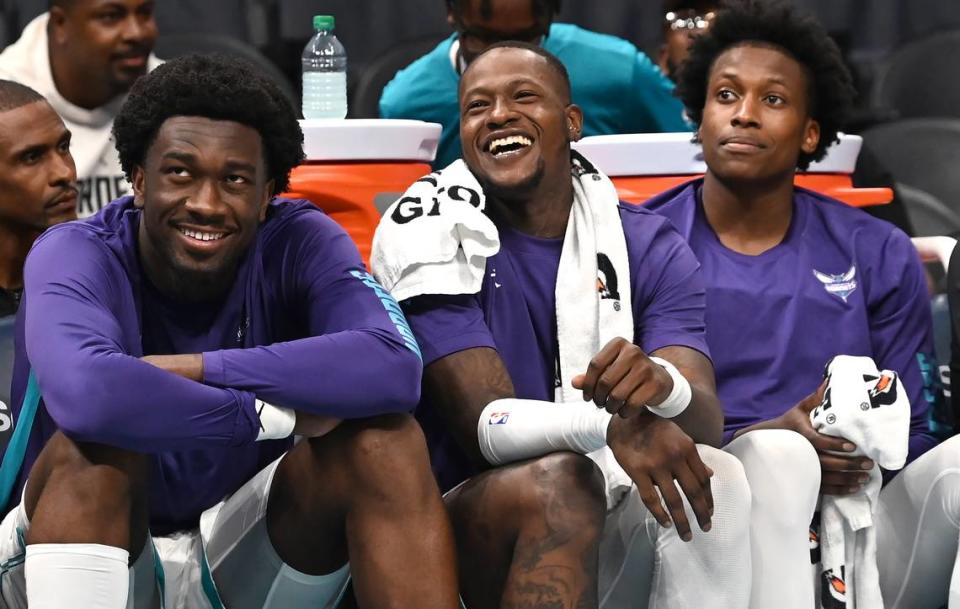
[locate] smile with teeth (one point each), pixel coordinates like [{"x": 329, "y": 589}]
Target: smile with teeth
[
  {"x": 512, "y": 143},
  {"x": 202, "y": 236}
]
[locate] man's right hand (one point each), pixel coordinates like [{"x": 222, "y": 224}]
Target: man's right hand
[
  {"x": 840, "y": 475},
  {"x": 657, "y": 454},
  {"x": 314, "y": 425}
]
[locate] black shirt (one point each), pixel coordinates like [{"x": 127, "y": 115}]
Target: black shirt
[{"x": 9, "y": 301}]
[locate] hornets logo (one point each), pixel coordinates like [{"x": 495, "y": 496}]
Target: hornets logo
[
  {"x": 606, "y": 278},
  {"x": 841, "y": 285},
  {"x": 833, "y": 590}
]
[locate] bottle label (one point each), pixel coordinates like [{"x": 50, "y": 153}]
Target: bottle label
[{"x": 324, "y": 94}]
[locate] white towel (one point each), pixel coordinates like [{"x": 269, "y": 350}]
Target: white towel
[
  {"x": 435, "y": 239},
  {"x": 593, "y": 261},
  {"x": 871, "y": 409}
]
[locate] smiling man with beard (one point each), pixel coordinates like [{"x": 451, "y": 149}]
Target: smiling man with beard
[
  {"x": 582, "y": 335},
  {"x": 171, "y": 347},
  {"x": 83, "y": 56}
]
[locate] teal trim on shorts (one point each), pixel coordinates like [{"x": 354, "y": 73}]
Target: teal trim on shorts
[
  {"x": 159, "y": 575},
  {"x": 206, "y": 580},
  {"x": 17, "y": 449}
]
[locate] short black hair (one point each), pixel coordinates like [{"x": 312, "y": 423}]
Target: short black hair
[
  {"x": 217, "y": 87},
  {"x": 550, "y": 8},
  {"x": 14, "y": 95},
  {"x": 555, "y": 64},
  {"x": 779, "y": 25}
]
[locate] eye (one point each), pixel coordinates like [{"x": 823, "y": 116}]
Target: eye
[
  {"x": 176, "y": 171},
  {"x": 774, "y": 100},
  {"x": 475, "y": 104},
  {"x": 725, "y": 95},
  {"x": 237, "y": 179},
  {"x": 109, "y": 17},
  {"x": 528, "y": 95},
  {"x": 31, "y": 157}
]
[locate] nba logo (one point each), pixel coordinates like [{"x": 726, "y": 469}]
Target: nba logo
[{"x": 499, "y": 418}]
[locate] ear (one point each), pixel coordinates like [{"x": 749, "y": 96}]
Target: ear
[
  {"x": 574, "y": 123},
  {"x": 811, "y": 136},
  {"x": 265, "y": 200},
  {"x": 451, "y": 20},
  {"x": 57, "y": 25},
  {"x": 137, "y": 180}
]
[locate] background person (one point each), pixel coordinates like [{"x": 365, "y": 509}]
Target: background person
[{"x": 83, "y": 56}]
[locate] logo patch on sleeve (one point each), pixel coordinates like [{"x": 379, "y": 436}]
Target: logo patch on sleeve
[{"x": 498, "y": 418}]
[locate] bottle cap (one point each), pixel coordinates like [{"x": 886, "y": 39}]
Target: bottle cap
[{"x": 323, "y": 22}]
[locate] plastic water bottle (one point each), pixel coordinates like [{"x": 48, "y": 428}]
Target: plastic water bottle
[{"x": 324, "y": 72}]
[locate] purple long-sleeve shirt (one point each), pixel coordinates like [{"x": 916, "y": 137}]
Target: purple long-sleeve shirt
[
  {"x": 303, "y": 326},
  {"x": 840, "y": 282}
]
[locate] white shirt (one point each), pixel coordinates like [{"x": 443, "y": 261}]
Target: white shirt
[{"x": 27, "y": 61}]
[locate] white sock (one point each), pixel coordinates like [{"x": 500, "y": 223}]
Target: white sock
[{"x": 61, "y": 575}]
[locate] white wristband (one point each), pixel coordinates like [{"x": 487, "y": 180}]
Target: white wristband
[
  {"x": 680, "y": 395},
  {"x": 511, "y": 429},
  {"x": 276, "y": 422}
]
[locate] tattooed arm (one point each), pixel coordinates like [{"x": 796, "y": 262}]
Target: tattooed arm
[{"x": 460, "y": 386}]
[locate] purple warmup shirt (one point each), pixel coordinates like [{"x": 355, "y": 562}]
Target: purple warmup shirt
[
  {"x": 515, "y": 313},
  {"x": 841, "y": 282},
  {"x": 304, "y": 326}
]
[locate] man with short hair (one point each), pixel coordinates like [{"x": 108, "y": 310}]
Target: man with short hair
[
  {"x": 83, "y": 56},
  {"x": 580, "y": 333},
  {"x": 168, "y": 350},
  {"x": 38, "y": 182},
  {"x": 795, "y": 278},
  {"x": 618, "y": 87},
  {"x": 38, "y": 188}
]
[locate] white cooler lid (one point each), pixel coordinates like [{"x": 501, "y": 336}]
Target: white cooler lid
[
  {"x": 370, "y": 139},
  {"x": 639, "y": 154}
]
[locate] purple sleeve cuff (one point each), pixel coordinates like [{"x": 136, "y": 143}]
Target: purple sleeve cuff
[
  {"x": 697, "y": 342},
  {"x": 459, "y": 342},
  {"x": 213, "y": 372}
]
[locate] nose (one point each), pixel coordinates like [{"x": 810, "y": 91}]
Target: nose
[
  {"x": 205, "y": 203},
  {"x": 501, "y": 112},
  {"x": 746, "y": 113},
  {"x": 64, "y": 170},
  {"x": 137, "y": 28}
]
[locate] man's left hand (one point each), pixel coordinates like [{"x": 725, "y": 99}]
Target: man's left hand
[{"x": 622, "y": 379}]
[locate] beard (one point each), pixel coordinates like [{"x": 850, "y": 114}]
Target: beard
[{"x": 513, "y": 191}]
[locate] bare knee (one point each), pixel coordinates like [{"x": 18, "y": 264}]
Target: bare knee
[
  {"x": 564, "y": 488},
  {"x": 387, "y": 456},
  {"x": 86, "y": 493}
]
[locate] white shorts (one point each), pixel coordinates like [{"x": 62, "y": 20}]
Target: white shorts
[{"x": 175, "y": 571}]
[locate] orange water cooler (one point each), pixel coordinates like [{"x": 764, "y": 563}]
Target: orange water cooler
[
  {"x": 356, "y": 168},
  {"x": 645, "y": 164}
]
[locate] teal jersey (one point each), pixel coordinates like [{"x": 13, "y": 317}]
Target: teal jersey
[{"x": 619, "y": 89}]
